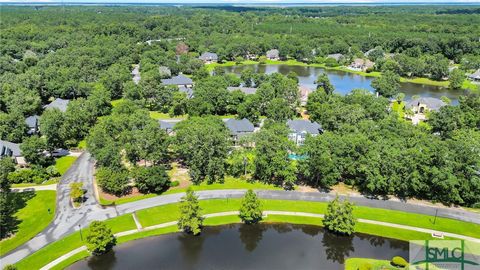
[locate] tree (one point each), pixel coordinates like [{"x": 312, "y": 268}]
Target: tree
[
  {"x": 76, "y": 192},
  {"x": 249, "y": 109},
  {"x": 203, "y": 144},
  {"x": 339, "y": 217},
  {"x": 456, "y": 78},
  {"x": 33, "y": 149},
  {"x": 52, "y": 127},
  {"x": 272, "y": 164},
  {"x": 113, "y": 181},
  {"x": 250, "y": 210},
  {"x": 151, "y": 179},
  {"x": 7, "y": 219},
  {"x": 324, "y": 82},
  {"x": 100, "y": 238},
  {"x": 190, "y": 220},
  {"x": 210, "y": 97},
  {"x": 387, "y": 85},
  {"x": 12, "y": 126},
  {"x": 279, "y": 110},
  {"x": 6, "y": 167}
]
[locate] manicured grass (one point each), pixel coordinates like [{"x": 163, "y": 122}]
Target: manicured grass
[
  {"x": 230, "y": 183},
  {"x": 71, "y": 260},
  {"x": 160, "y": 116},
  {"x": 425, "y": 81},
  {"x": 355, "y": 263},
  {"x": 62, "y": 164},
  {"x": 69, "y": 243},
  {"x": 165, "y": 213},
  {"x": 33, "y": 217}
]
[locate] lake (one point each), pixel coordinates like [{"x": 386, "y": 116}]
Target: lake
[
  {"x": 345, "y": 82},
  {"x": 239, "y": 246}
]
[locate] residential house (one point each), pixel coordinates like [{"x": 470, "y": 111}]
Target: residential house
[
  {"x": 273, "y": 55},
  {"x": 239, "y": 128},
  {"x": 337, "y": 56},
  {"x": 9, "y": 149},
  {"x": 32, "y": 123},
  {"x": 304, "y": 92},
  {"x": 420, "y": 106},
  {"x": 245, "y": 90},
  {"x": 475, "y": 76},
  {"x": 168, "y": 126},
  {"x": 360, "y": 64},
  {"x": 208, "y": 57},
  {"x": 251, "y": 56},
  {"x": 299, "y": 129},
  {"x": 58, "y": 103},
  {"x": 180, "y": 80}
]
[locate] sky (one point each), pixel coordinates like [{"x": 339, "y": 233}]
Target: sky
[{"x": 246, "y": 1}]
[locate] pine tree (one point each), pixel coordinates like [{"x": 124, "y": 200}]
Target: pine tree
[
  {"x": 339, "y": 217},
  {"x": 190, "y": 217},
  {"x": 250, "y": 210}
]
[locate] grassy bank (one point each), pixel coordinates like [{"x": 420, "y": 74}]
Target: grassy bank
[
  {"x": 62, "y": 164},
  {"x": 33, "y": 216},
  {"x": 356, "y": 263},
  {"x": 426, "y": 81},
  {"x": 230, "y": 183},
  {"x": 167, "y": 213}
]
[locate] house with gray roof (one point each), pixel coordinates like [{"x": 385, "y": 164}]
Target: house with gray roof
[
  {"x": 208, "y": 57},
  {"x": 179, "y": 80},
  {"x": 475, "y": 76},
  {"x": 299, "y": 128},
  {"x": 12, "y": 150},
  {"x": 32, "y": 123},
  {"x": 245, "y": 90},
  {"x": 273, "y": 55},
  {"x": 187, "y": 90},
  {"x": 336, "y": 56},
  {"x": 423, "y": 104},
  {"x": 58, "y": 103},
  {"x": 239, "y": 128}
]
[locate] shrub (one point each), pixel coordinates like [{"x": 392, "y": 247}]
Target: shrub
[
  {"x": 152, "y": 179},
  {"x": 100, "y": 238},
  {"x": 10, "y": 267},
  {"x": 190, "y": 220},
  {"x": 76, "y": 192},
  {"x": 365, "y": 266},
  {"x": 35, "y": 175},
  {"x": 399, "y": 261},
  {"x": 174, "y": 183},
  {"x": 113, "y": 182},
  {"x": 339, "y": 217}
]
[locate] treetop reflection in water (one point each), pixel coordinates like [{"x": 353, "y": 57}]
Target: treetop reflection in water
[{"x": 239, "y": 246}]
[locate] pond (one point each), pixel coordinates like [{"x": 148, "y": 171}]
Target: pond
[
  {"x": 239, "y": 246},
  {"x": 345, "y": 82}
]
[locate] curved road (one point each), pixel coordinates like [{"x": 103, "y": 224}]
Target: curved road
[{"x": 69, "y": 219}]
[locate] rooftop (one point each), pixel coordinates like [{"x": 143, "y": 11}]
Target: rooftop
[
  {"x": 208, "y": 56},
  {"x": 178, "y": 80},
  {"x": 301, "y": 126},
  {"x": 13, "y": 147},
  {"x": 58, "y": 103},
  {"x": 432, "y": 103},
  {"x": 245, "y": 90},
  {"x": 239, "y": 126},
  {"x": 32, "y": 121}
]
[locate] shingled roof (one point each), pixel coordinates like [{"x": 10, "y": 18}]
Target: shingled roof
[
  {"x": 58, "y": 103},
  {"x": 178, "y": 80},
  {"x": 208, "y": 56},
  {"x": 237, "y": 127},
  {"x": 433, "y": 104},
  {"x": 300, "y": 126},
  {"x": 9, "y": 149},
  {"x": 245, "y": 90}
]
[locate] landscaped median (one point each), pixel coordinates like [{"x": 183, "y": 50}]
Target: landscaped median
[{"x": 170, "y": 213}]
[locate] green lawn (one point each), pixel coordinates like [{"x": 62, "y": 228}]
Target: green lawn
[
  {"x": 355, "y": 263},
  {"x": 160, "y": 116},
  {"x": 230, "y": 183},
  {"x": 33, "y": 217},
  {"x": 62, "y": 164},
  {"x": 69, "y": 243},
  {"x": 398, "y": 107},
  {"x": 167, "y": 213}
]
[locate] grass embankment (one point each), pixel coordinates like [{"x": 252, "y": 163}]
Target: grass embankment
[
  {"x": 230, "y": 183},
  {"x": 170, "y": 212},
  {"x": 33, "y": 216},
  {"x": 62, "y": 164}
]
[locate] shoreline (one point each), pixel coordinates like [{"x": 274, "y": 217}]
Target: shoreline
[{"x": 467, "y": 85}]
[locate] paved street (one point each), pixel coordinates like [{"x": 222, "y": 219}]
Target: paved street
[{"x": 68, "y": 219}]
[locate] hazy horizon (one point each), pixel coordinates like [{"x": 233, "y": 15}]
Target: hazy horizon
[{"x": 266, "y": 2}]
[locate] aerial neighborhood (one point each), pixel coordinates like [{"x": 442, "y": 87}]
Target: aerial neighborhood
[{"x": 125, "y": 122}]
